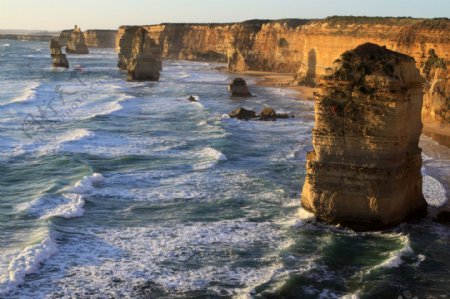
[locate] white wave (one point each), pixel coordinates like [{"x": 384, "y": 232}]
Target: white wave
[
  {"x": 28, "y": 93},
  {"x": 87, "y": 184},
  {"x": 212, "y": 157},
  {"x": 58, "y": 142},
  {"x": 71, "y": 209},
  {"x": 305, "y": 215},
  {"x": 433, "y": 191},
  {"x": 152, "y": 247},
  {"x": 26, "y": 262},
  {"x": 394, "y": 258},
  {"x": 109, "y": 109},
  {"x": 6, "y": 45}
]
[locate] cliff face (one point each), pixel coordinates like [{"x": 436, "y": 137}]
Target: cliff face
[
  {"x": 364, "y": 171},
  {"x": 100, "y": 38},
  {"x": 76, "y": 43},
  {"x": 145, "y": 59},
  {"x": 94, "y": 38},
  {"x": 304, "y": 47}
]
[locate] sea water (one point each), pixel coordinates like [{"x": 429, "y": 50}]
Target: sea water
[{"x": 116, "y": 189}]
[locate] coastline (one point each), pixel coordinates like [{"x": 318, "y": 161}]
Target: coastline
[
  {"x": 436, "y": 131},
  {"x": 269, "y": 79}
]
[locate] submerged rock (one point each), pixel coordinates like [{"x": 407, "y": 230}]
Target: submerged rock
[
  {"x": 268, "y": 114},
  {"x": 76, "y": 43},
  {"x": 243, "y": 114},
  {"x": 238, "y": 88},
  {"x": 58, "y": 58},
  {"x": 364, "y": 171},
  {"x": 145, "y": 61}
]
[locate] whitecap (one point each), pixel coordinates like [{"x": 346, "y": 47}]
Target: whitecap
[
  {"x": 59, "y": 141},
  {"x": 72, "y": 209},
  {"x": 6, "y": 45},
  {"x": 28, "y": 93},
  {"x": 87, "y": 184},
  {"x": 26, "y": 262},
  {"x": 212, "y": 157}
]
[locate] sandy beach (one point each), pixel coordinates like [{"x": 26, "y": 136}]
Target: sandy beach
[{"x": 282, "y": 80}]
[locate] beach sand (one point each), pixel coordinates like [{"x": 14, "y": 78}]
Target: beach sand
[{"x": 282, "y": 80}]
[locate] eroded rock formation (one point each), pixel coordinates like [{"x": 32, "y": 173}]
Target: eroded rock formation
[
  {"x": 436, "y": 106},
  {"x": 238, "y": 88},
  {"x": 364, "y": 171},
  {"x": 145, "y": 60},
  {"x": 242, "y": 114},
  {"x": 126, "y": 46},
  {"x": 76, "y": 43},
  {"x": 58, "y": 58},
  {"x": 304, "y": 47},
  {"x": 94, "y": 38}
]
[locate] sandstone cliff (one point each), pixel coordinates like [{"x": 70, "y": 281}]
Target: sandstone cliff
[
  {"x": 58, "y": 58},
  {"x": 94, "y": 38},
  {"x": 100, "y": 38},
  {"x": 304, "y": 47},
  {"x": 145, "y": 60},
  {"x": 364, "y": 171},
  {"x": 76, "y": 43}
]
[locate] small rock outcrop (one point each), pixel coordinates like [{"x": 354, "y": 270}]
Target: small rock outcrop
[
  {"x": 268, "y": 114},
  {"x": 192, "y": 99},
  {"x": 242, "y": 114},
  {"x": 145, "y": 62},
  {"x": 364, "y": 171},
  {"x": 76, "y": 43},
  {"x": 58, "y": 58},
  {"x": 238, "y": 88}
]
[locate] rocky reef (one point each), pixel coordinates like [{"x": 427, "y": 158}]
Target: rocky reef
[
  {"x": 145, "y": 61},
  {"x": 58, "y": 58},
  {"x": 364, "y": 171},
  {"x": 76, "y": 43}
]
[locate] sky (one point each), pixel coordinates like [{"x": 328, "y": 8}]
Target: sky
[{"x": 110, "y": 14}]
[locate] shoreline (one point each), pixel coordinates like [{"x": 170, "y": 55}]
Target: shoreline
[
  {"x": 283, "y": 80},
  {"x": 438, "y": 132}
]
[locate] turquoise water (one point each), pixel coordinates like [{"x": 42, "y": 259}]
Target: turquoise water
[{"x": 113, "y": 189}]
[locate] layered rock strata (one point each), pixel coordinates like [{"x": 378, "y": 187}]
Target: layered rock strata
[
  {"x": 94, "y": 38},
  {"x": 76, "y": 43},
  {"x": 145, "y": 61},
  {"x": 304, "y": 47},
  {"x": 364, "y": 171},
  {"x": 58, "y": 58}
]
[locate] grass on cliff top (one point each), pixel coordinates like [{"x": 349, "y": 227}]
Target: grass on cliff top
[{"x": 333, "y": 21}]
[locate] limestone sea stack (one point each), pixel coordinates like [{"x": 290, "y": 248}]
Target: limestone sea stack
[
  {"x": 364, "y": 171},
  {"x": 76, "y": 43},
  {"x": 146, "y": 58},
  {"x": 58, "y": 58},
  {"x": 238, "y": 88},
  {"x": 125, "y": 46}
]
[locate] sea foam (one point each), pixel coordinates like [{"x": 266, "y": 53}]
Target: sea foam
[
  {"x": 433, "y": 191},
  {"x": 26, "y": 262}
]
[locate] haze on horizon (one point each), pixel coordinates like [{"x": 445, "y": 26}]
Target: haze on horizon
[{"x": 110, "y": 14}]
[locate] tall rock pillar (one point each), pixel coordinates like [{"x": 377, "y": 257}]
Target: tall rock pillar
[
  {"x": 145, "y": 61},
  {"x": 58, "y": 58},
  {"x": 364, "y": 171}
]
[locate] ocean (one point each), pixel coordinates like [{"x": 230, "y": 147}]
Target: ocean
[{"x": 116, "y": 189}]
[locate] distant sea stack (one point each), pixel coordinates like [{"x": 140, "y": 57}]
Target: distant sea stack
[
  {"x": 58, "y": 58},
  {"x": 145, "y": 62},
  {"x": 76, "y": 43},
  {"x": 364, "y": 171}
]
